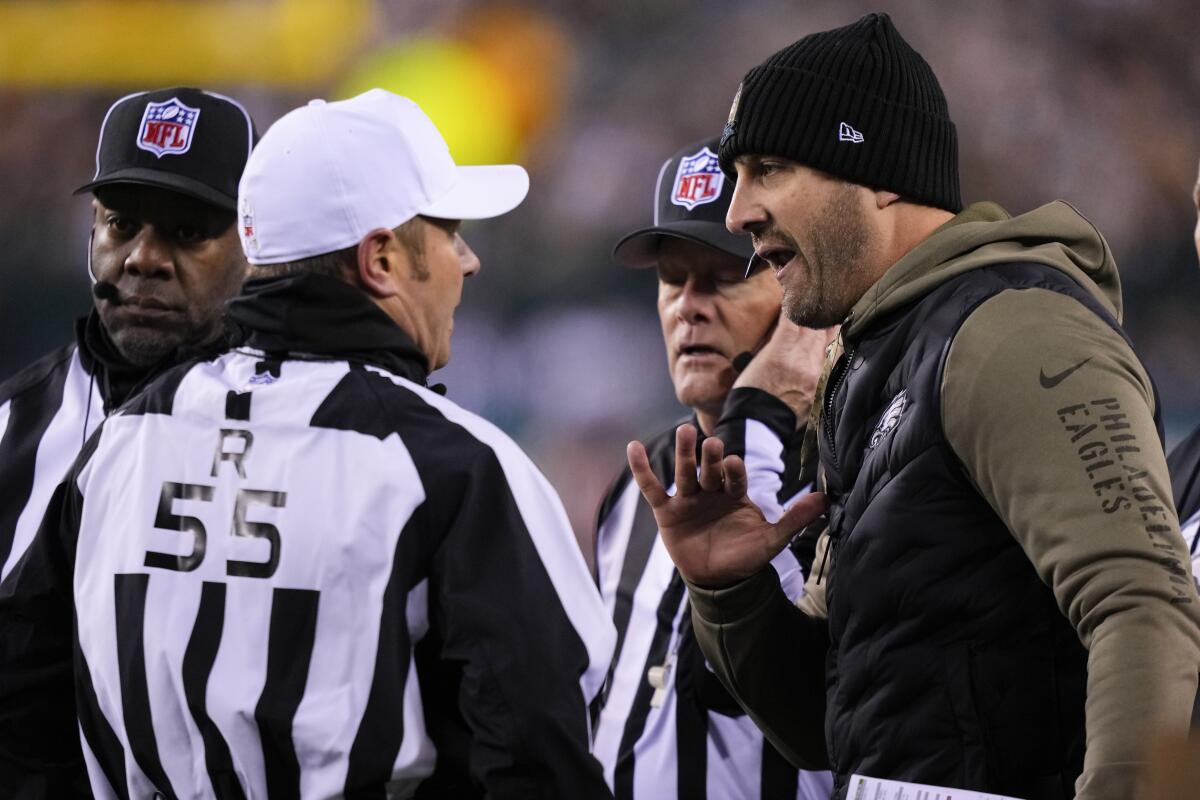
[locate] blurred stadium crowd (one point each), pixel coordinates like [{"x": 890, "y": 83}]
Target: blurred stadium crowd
[{"x": 1093, "y": 101}]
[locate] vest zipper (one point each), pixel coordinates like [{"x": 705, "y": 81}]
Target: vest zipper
[{"x": 835, "y": 381}]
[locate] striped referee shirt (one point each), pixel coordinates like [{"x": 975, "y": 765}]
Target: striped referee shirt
[
  {"x": 310, "y": 576},
  {"x": 668, "y": 729},
  {"x": 1190, "y": 528},
  {"x": 47, "y": 411},
  {"x": 1184, "y": 464}
]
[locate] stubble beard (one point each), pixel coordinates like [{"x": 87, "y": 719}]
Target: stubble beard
[
  {"x": 832, "y": 284},
  {"x": 145, "y": 346}
]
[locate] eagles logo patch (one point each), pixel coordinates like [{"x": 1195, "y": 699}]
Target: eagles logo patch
[{"x": 890, "y": 419}]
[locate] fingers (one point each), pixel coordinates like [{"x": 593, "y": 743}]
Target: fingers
[
  {"x": 805, "y": 511},
  {"x": 712, "y": 477},
  {"x": 685, "y": 461},
  {"x": 643, "y": 476},
  {"x": 736, "y": 482}
]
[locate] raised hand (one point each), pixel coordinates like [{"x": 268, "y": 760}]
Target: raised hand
[{"x": 714, "y": 533}]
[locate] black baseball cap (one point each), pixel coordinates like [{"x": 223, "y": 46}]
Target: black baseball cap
[
  {"x": 187, "y": 140},
  {"x": 690, "y": 201}
]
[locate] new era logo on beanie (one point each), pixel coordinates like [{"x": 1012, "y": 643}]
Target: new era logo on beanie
[
  {"x": 830, "y": 89},
  {"x": 186, "y": 140},
  {"x": 848, "y": 134}
]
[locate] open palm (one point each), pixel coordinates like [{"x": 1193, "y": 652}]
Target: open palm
[{"x": 712, "y": 530}]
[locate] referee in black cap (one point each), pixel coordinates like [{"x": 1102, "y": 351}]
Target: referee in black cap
[
  {"x": 668, "y": 728},
  {"x": 164, "y": 257}
]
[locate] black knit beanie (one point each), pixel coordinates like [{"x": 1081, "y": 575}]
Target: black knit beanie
[{"x": 857, "y": 102}]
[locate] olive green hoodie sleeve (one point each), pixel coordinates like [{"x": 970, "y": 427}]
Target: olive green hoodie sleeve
[
  {"x": 1051, "y": 414},
  {"x": 770, "y": 655}
]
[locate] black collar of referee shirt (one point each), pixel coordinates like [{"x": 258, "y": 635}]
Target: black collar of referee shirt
[
  {"x": 118, "y": 378},
  {"x": 316, "y": 315},
  {"x": 115, "y": 375}
]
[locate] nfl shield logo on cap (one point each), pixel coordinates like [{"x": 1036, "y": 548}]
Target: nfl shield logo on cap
[
  {"x": 167, "y": 127},
  {"x": 698, "y": 180}
]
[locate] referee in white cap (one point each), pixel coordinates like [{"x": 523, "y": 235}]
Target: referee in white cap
[{"x": 296, "y": 570}]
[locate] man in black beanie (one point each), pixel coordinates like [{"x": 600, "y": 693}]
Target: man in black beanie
[{"x": 1001, "y": 601}]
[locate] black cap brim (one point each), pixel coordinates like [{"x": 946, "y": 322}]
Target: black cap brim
[
  {"x": 639, "y": 249},
  {"x": 164, "y": 180}
]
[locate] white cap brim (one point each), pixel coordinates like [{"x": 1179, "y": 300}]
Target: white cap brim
[{"x": 481, "y": 192}]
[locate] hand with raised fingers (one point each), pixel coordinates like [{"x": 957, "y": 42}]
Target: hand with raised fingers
[
  {"x": 790, "y": 364},
  {"x": 714, "y": 533}
]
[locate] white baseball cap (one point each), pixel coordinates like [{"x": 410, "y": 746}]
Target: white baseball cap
[{"x": 327, "y": 174}]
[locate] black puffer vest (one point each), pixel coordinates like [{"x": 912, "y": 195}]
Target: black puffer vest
[{"x": 949, "y": 661}]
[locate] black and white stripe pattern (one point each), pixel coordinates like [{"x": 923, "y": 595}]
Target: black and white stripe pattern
[
  {"x": 692, "y": 741},
  {"x": 1184, "y": 465},
  {"x": 1191, "y": 534},
  {"x": 47, "y": 411},
  {"x": 328, "y": 583}
]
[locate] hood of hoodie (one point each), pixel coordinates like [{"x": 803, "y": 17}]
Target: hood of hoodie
[{"x": 982, "y": 234}]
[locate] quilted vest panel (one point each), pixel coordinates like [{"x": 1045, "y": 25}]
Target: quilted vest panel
[{"x": 949, "y": 661}]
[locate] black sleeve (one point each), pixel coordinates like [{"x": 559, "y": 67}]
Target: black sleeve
[
  {"x": 770, "y": 655},
  {"x": 745, "y": 403},
  {"x": 502, "y": 629},
  {"x": 39, "y": 734}
]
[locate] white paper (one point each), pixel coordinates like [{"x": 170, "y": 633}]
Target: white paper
[{"x": 864, "y": 788}]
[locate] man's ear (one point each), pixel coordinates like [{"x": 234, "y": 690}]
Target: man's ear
[
  {"x": 380, "y": 259},
  {"x": 883, "y": 199}
]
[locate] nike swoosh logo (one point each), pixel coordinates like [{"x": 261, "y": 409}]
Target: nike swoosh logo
[{"x": 1050, "y": 381}]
